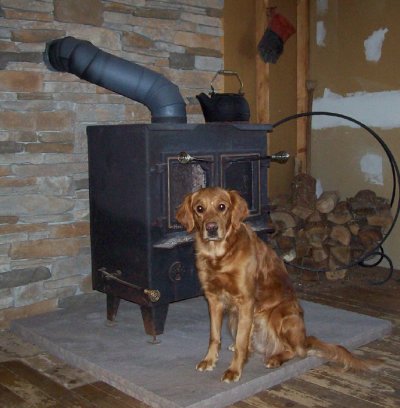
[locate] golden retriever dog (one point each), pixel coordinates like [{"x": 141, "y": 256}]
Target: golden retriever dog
[{"x": 241, "y": 274}]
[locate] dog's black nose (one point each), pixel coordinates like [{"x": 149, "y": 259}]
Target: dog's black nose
[{"x": 212, "y": 228}]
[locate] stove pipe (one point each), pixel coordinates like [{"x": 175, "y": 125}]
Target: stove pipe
[{"x": 126, "y": 78}]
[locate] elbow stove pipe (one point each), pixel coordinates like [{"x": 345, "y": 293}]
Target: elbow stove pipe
[{"x": 126, "y": 78}]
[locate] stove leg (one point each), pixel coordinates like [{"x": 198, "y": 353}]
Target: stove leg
[
  {"x": 112, "y": 307},
  {"x": 154, "y": 318}
]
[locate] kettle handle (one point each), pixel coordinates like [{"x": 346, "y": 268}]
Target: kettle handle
[{"x": 227, "y": 72}]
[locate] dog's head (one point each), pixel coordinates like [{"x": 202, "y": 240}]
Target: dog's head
[{"x": 212, "y": 212}]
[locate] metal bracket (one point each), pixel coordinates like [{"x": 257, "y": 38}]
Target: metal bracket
[{"x": 154, "y": 295}]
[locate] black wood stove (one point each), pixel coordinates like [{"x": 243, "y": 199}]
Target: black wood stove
[{"x": 139, "y": 174}]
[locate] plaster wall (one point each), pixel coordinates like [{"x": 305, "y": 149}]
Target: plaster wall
[{"x": 354, "y": 56}]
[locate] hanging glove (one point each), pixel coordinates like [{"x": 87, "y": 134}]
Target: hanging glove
[{"x": 278, "y": 31}]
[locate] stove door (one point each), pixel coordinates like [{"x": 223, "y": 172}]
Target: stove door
[
  {"x": 183, "y": 179},
  {"x": 241, "y": 172}
]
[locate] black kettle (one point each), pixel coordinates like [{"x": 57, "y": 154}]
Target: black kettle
[{"x": 224, "y": 107}]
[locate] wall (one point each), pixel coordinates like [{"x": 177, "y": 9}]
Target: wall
[
  {"x": 44, "y": 212},
  {"x": 240, "y": 54},
  {"x": 283, "y": 103},
  {"x": 240, "y": 49},
  {"x": 354, "y": 59}
]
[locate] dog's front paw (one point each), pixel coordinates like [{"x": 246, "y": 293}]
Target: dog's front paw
[
  {"x": 231, "y": 376},
  {"x": 206, "y": 365},
  {"x": 273, "y": 362}
]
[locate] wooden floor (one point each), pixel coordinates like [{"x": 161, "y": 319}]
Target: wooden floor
[{"x": 30, "y": 377}]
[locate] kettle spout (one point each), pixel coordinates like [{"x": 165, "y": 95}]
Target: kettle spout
[
  {"x": 208, "y": 107},
  {"x": 204, "y": 100}
]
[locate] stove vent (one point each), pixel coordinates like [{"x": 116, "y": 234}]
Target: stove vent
[{"x": 126, "y": 78}]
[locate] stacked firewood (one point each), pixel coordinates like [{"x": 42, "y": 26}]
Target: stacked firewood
[{"x": 327, "y": 233}]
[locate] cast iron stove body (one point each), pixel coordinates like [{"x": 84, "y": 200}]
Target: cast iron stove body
[{"x": 137, "y": 178}]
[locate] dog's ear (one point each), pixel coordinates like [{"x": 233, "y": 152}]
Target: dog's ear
[
  {"x": 240, "y": 210},
  {"x": 184, "y": 214}
]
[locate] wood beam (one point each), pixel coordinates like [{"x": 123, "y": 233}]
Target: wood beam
[
  {"x": 303, "y": 44},
  {"x": 262, "y": 69}
]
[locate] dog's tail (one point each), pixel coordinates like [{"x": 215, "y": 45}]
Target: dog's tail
[{"x": 339, "y": 354}]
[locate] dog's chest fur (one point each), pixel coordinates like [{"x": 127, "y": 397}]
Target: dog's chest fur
[{"x": 221, "y": 270}]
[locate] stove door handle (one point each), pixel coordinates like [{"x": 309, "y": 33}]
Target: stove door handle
[
  {"x": 279, "y": 157},
  {"x": 153, "y": 294},
  {"x": 186, "y": 158}
]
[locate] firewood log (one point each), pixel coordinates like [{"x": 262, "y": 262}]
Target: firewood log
[
  {"x": 289, "y": 232},
  {"x": 370, "y": 236},
  {"x": 327, "y": 201},
  {"x": 289, "y": 255},
  {"x": 336, "y": 274},
  {"x": 341, "y": 234},
  {"x": 303, "y": 248},
  {"x": 283, "y": 220},
  {"x": 335, "y": 271},
  {"x": 341, "y": 213},
  {"x": 281, "y": 202},
  {"x": 303, "y": 191},
  {"x": 286, "y": 247},
  {"x": 285, "y": 243},
  {"x": 302, "y": 251},
  {"x": 320, "y": 254},
  {"x": 315, "y": 217},
  {"x": 309, "y": 262},
  {"x": 354, "y": 227},
  {"x": 357, "y": 250},
  {"x": 302, "y": 212},
  {"x": 366, "y": 196},
  {"x": 341, "y": 254},
  {"x": 382, "y": 218},
  {"x": 382, "y": 204},
  {"x": 316, "y": 233},
  {"x": 363, "y": 203}
]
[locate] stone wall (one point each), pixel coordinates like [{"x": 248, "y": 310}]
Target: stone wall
[{"x": 44, "y": 209}]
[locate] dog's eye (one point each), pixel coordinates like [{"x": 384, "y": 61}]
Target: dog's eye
[
  {"x": 221, "y": 207},
  {"x": 200, "y": 209}
]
